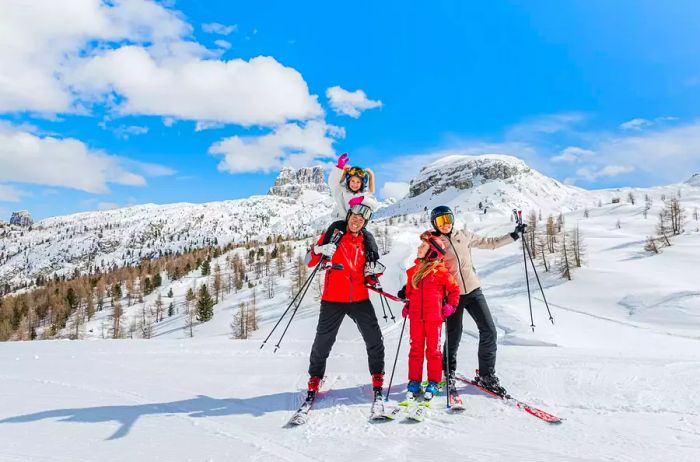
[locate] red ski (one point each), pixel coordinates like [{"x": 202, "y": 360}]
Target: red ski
[{"x": 532, "y": 410}]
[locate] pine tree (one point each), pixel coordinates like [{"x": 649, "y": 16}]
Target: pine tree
[
  {"x": 205, "y": 305},
  {"x": 206, "y": 268},
  {"x": 170, "y": 293},
  {"x": 171, "y": 309}
]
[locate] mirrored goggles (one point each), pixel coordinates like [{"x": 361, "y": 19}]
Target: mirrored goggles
[
  {"x": 357, "y": 171},
  {"x": 447, "y": 219},
  {"x": 362, "y": 210}
]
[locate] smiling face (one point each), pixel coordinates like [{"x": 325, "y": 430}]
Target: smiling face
[
  {"x": 355, "y": 223},
  {"x": 355, "y": 184},
  {"x": 445, "y": 228}
]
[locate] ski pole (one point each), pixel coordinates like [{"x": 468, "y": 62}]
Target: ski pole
[
  {"x": 447, "y": 365},
  {"x": 519, "y": 221},
  {"x": 381, "y": 300},
  {"x": 292, "y": 302},
  {"x": 337, "y": 234},
  {"x": 538, "y": 281},
  {"x": 294, "y": 312},
  {"x": 393, "y": 318},
  {"x": 396, "y": 358}
]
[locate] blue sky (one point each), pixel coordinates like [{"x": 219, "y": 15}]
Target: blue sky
[{"x": 133, "y": 101}]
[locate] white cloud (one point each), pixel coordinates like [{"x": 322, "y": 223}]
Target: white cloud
[
  {"x": 664, "y": 155},
  {"x": 29, "y": 158},
  {"x": 636, "y": 124},
  {"x": 38, "y": 40},
  {"x": 545, "y": 124},
  {"x": 288, "y": 145},
  {"x": 206, "y": 125},
  {"x": 137, "y": 57},
  {"x": 125, "y": 132},
  {"x": 256, "y": 92},
  {"x": 395, "y": 189},
  {"x": 573, "y": 154},
  {"x": 222, "y": 44},
  {"x": 220, "y": 29},
  {"x": 350, "y": 103},
  {"x": 608, "y": 171},
  {"x": 10, "y": 193}
]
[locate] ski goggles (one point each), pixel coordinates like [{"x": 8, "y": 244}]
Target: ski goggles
[
  {"x": 357, "y": 171},
  {"x": 446, "y": 219},
  {"x": 362, "y": 210}
]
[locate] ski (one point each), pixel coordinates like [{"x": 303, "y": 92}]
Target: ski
[
  {"x": 301, "y": 415},
  {"x": 377, "y": 413},
  {"x": 455, "y": 401},
  {"x": 532, "y": 410},
  {"x": 416, "y": 407}
]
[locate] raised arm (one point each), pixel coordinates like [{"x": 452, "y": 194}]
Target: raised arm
[
  {"x": 371, "y": 180},
  {"x": 481, "y": 242}
]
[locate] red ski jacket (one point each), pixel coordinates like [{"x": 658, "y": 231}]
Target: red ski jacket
[
  {"x": 345, "y": 285},
  {"x": 436, "y": 288}
]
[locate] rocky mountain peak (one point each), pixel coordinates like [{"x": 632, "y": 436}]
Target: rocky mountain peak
[
  {"x": 465, "y": 172},
  {"x": 292, "y": 182}
]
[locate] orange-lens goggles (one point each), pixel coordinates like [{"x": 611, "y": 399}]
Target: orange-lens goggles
[
  {"x": 357, "y": 171},
  {"x": 447, "y": 219}
]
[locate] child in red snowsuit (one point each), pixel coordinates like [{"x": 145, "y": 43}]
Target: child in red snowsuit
[{"x": 431, "y": 294}]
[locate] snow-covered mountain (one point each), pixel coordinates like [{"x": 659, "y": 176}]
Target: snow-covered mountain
[
  {"x": 498, "y": 182},
  {"x": 298, "y": 205}
]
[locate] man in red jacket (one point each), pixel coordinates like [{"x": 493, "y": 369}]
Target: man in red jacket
[{"x": 345, "y": 293}]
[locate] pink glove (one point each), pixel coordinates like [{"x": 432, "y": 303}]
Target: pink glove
[
  {"x": 404, "y": 312},
  {"x": 342, "y": 160},
  {"x": 448, "y": 310},
  {"x": 356, "y": 200}
]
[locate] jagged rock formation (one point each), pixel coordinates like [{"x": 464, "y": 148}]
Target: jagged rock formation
[{"x": 291, "y": 182}]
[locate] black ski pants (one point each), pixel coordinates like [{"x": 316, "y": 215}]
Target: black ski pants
[
  {"x": 475, "y": 304},
  {"x": 329, "y": 321}
]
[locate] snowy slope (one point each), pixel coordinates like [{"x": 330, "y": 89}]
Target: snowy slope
[
  {"x": 621, "y": 364},
  {"x": 62, "y": 244}
]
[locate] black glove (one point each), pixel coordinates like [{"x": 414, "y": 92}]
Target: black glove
[
  {"x": 371, "y": 256},
  {"x": 402, "y": 293},
  {"x": 522, "y": 228}
]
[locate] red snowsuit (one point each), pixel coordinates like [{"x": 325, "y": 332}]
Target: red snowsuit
[{"x": 425, "y": 304}]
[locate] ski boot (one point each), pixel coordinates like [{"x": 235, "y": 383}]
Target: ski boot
[
  {"x": 431, "y": 390},
  {"x": 490, "y": 382}
]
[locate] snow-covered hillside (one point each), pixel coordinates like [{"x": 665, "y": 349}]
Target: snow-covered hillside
[
  {"x": 621, "y": 363},
  {"x": 498, "y": 182},
  {"x": 83, "y": 241}
]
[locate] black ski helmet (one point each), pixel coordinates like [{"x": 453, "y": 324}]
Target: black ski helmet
[{"x": 439, "y": 211}]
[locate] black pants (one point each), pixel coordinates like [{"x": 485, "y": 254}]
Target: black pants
[
  {"x": 329, "y": 321},
  {"x": 475, "y": 304}
]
